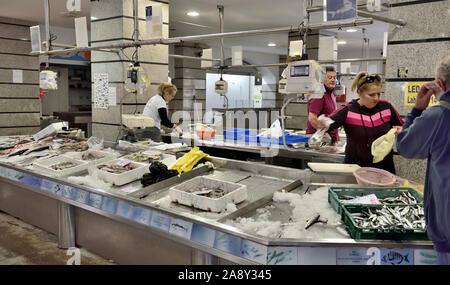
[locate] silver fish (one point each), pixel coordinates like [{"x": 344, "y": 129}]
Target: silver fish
[{"x": 315, "y": 219}]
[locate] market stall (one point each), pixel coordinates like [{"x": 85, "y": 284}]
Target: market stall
[{"x": 132, "y": 224}]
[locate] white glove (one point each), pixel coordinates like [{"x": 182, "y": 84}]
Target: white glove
[{"x": 178, "y": 131}]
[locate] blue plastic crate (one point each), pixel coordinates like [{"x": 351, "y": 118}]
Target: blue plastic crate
[
  {"x": 235, "y": 134},
  {"x": 290, "y": 139},
  {"x": 294, "y": 139},
  {"x": 251, "y": 138}
]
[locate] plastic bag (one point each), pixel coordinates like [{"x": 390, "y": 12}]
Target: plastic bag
[
  {"x": 383, "y": 145},
  {"x": 275, "y": 130},
  {"x": 177, "y": 131},
  {"x": 326, "y": 120},
  {"x": 317, "y": 137},
  {"x": 95, "y": 143},
  {"x": 47, "y": 80}
]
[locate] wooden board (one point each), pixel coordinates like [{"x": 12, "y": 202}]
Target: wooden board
[{"x": 333, "y": 167}]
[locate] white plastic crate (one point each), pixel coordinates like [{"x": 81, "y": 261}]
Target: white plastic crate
[
  {"x": 234, "y": 193},
  {"x": 126, "y": 177},
  {"x": 105, "y": 156},
  {"x": 45, "y": 164}
]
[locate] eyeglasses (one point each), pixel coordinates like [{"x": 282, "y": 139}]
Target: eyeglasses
[{"x": 370, "y": 79}]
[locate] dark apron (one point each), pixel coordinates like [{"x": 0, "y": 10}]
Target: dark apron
[{"x": 152, "y": 133}]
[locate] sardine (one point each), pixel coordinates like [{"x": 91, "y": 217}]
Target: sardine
[{"x": 315, "y": 219}]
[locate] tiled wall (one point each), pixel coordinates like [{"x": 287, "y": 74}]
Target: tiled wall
[
  {"x": 418, "y": 46},
  {"x": 20, "y": 105},
  {"x": 190, "y": 80}
]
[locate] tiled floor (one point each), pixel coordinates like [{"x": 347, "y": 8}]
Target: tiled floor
[{"x": 24, "y": 244}]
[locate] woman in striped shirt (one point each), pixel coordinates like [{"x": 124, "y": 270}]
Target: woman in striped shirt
[{"x": 366, "y": 119}]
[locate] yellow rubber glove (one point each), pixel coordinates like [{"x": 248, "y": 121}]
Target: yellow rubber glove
[
  {"x": 383, "y": 145},
  {"x": 188, "y": 161}
]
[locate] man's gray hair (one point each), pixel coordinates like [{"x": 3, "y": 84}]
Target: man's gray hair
[{"x": 443, "y": 70}]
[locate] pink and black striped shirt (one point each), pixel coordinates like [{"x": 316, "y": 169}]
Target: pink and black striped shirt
[{"x": 363, "y": 125}]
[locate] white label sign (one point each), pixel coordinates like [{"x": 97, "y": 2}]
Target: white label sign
[{"x": 17, "y": 76}]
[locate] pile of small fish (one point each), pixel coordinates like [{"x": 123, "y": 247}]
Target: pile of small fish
[
  {"x": 409, "y": 217},
  {"x": 115, "y": 168},
  {"x": 210, "y": 193},
  {"x": 403, "y": 198},
  {"x": 63, "y": 165},
  {"x": 74, "y": 146},
  {"x": 144, "y": 157},
  {"x": 17, "y": 149},
  {"x": 9, "y": 142}
]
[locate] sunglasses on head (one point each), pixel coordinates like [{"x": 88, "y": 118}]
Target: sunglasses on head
[{"x": 370, "y": 79}]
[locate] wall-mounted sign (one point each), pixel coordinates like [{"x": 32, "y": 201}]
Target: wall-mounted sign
[
  {"x": 101, "y": 91},
  {"x": 411, "y": 91},
  {"x": 339, "y": 9}
]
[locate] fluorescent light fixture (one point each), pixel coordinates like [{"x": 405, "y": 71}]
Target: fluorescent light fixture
[
  {"x": 271, "y": 44},
  {"x": 351, "y": 30},
  {"x": 193, "y": 14},
  {"x": 341, "y": 42},
  {"x": 94, "y": 18}
]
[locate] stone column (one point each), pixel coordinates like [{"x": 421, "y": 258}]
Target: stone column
[
  {"x": 298, "y": 111},
  {"x": 418, "y": 46},
  {"x": 20, "y": 105},
  {"x": 190, "y": 80},
  {"x": 114, "y": 24}
]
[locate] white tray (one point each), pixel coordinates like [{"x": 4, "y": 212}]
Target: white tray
[
  {"x": 333, "y": 167},
  {"x": 236, "y": 193},
  {"x": 107, "y": 156},
  {"x": 123, "y": 178},
  {"x": 44, "y": 166}
]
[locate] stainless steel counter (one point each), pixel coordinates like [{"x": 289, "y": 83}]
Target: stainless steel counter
[
  {"x": 131, "y": 230},
  {"x": 264, "y": 151}
]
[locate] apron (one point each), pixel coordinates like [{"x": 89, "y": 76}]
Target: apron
[{"x": 152, "y": 133}]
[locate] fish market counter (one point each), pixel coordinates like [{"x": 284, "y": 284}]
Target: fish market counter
[
  {"x": 269, "y": 152},
  {"x": 132, "y": 224}
]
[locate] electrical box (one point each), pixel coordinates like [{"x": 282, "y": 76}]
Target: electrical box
[
  {"x": 221, "y": 87},
  {"x": 304, "y": 76},
  {"x": 282, "y": 86},
  {"x": 136, "y": 80}
]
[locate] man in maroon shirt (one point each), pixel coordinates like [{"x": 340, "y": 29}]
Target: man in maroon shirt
[{"x": 325, "y": 105}]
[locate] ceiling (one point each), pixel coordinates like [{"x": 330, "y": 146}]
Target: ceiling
[
  {"x": 238, "y": 15},
  {"x": 33, "y": 11}
]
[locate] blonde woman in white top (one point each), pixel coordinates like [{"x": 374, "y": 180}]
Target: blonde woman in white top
[{"x": 156, "y": 108}]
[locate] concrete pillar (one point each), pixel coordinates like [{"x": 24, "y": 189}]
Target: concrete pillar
[
  {"x": 190, "y": 80},
  {"x": 114, "y": 24},
  {"x": 298, "y": 111},
  {"x": 418, "y": 46},
  {"x": 20, "y": 105}
]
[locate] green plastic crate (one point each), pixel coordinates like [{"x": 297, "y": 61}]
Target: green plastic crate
[
  {"x": 377, "y": 234},
  {"x": 334, "y": 193}
]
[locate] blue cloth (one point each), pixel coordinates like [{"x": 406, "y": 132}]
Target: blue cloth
[
  {"x": 443, "y": 258},
  {"x": 426, "y": 134}
]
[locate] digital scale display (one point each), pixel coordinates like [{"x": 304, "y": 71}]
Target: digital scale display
[{"x": 300, "y": 70}]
